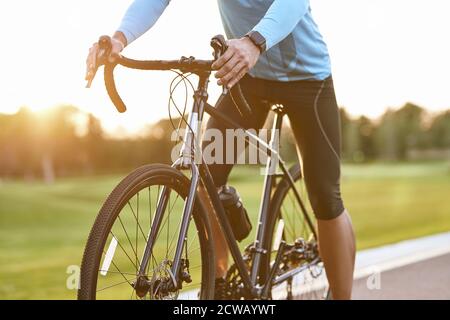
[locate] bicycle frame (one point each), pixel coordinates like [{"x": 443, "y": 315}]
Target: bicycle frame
[{"x": 189, "y": 156}]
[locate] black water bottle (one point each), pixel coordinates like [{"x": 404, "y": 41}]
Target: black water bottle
[{"x": 236, "y": 213}]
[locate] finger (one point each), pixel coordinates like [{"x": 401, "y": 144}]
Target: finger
[
  {"x": 89, "y": 70},
  {"x": 113, "y": 56},
  {"x": 89, "y": 66},
  {"x": 89, "y": 57},
  {"x": 94, "y": 60},
  {"x": 93, "y": 51},
  {"x": 227, "y": 67},
  {"x": 236, "y": 79},
  {"x": 223, "y": 59},
  {"x": 91, "y": 60},
  {"x": 232, "y": 74}
]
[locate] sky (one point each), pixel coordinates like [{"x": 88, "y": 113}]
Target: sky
[{"x": 384, "y": 53}]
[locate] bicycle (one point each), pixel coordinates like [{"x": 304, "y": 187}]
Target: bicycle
[{"x": 181, "y": 264}]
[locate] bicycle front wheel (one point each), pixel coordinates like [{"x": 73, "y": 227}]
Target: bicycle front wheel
[{"x": 115, "y": 247}]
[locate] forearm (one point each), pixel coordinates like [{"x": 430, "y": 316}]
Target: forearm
[
  {"x": 281, "y": 19},
  {"x": 140, "y": 17}
]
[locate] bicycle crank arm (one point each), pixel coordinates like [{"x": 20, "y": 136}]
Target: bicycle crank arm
[{"x": 294, "y": 272}]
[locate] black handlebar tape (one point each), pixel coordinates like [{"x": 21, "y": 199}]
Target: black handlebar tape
[{"x": 111, "y": 88}]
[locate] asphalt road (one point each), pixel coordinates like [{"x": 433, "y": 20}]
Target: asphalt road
[{"x": 428, "y": 279}]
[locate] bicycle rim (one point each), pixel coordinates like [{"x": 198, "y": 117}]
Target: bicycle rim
[{"x": 116, "y": 244}]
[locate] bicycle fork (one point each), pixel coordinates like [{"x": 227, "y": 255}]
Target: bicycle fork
[
  {"x": 189, "y": 154},
  {"x": 161, "y": 208}
]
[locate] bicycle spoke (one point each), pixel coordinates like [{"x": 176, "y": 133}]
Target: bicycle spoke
[
  {"x": 132, "y": 293},
  {"x": 173, "y": 238},
  {"x": 124, "y": 251},
  {"x": 137, "y": 222},
  {"x": 289, "y": 223},
  {"x": 118, "y": 272},
  {"x": 293, "y": 212},
  {"x": 150, "y": 206},
  {"x": 128, "y": 237},
  {"x": 114, "y": 285},
  {"x": 195, "y": 249},
  {"x": 164, "y": 223},
  {"x": 168, "y": 230},
  {"x": 195, "y": 267}
]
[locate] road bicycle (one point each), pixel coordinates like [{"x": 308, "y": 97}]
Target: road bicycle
[{"x": 152, "y": 238}]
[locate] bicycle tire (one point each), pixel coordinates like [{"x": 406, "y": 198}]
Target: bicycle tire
[{"x": 137, "y": 180}]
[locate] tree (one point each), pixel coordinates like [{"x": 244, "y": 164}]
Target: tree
[
  {"x": 400, "y": 131},
  {"x": 439, "y": 131},
  {"x": 94, "y": 155}
]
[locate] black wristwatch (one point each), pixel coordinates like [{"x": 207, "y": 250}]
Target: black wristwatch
[{"x": 258, "y": 39}]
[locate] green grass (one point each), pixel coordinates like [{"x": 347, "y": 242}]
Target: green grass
[{"x": 43, "y": 228}]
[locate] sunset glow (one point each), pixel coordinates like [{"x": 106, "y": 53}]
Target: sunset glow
[{"x": 384, "y": 53}]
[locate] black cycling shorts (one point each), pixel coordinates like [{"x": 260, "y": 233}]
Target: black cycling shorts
[{"x": 314, "y": 116}]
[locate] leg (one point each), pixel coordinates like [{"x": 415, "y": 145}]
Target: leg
[
  {"x": 315, "y": 123},
  {"x": 220, "y": 172},
  {"x": 337, "y": 249}
]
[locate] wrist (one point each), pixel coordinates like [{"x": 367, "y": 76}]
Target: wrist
[
  {"x": 119, "y": 36},
  {"x": 257, "y": 39}
]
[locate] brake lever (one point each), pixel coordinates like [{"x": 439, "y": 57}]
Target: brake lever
[
  {"x": 105, "y": 47},
  {"x": 219, "y": 44}
]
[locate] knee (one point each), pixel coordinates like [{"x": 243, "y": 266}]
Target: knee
[{"x": 326, "y": 201}]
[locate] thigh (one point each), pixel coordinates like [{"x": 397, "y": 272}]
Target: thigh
[
  {"x": 259, "y": 107},
  {"x": 314, "y": 118},
  {"x": 252, "y": 91}
]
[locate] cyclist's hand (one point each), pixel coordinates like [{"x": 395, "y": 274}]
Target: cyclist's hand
[
  {"x": 241, "y": 55},
  {"x": 92, "y": 61}
]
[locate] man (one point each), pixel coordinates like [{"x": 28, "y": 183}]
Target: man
[{"x": 278, "y": 55}]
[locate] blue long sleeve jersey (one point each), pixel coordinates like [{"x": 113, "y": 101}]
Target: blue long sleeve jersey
[{"x": 295, "y": 47}]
